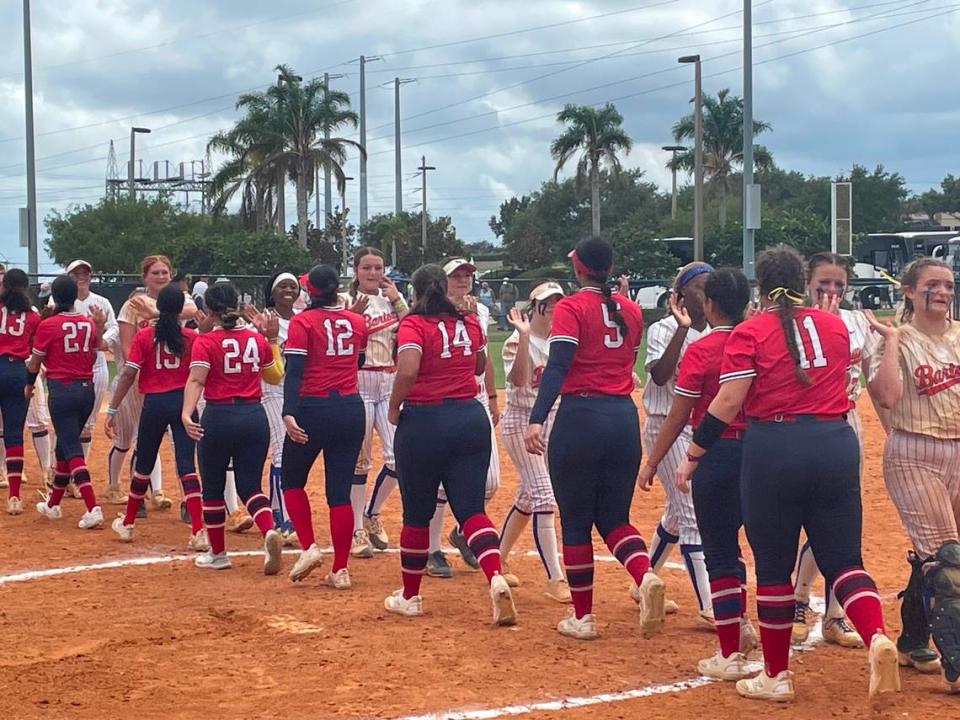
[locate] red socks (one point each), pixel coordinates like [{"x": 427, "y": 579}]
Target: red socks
[
  {"x": 61, "y": 479},
  {"x": 484, "y": 542},
  {"x": 727, "y": 595},
  {"x": 190, "y": 487},
  {"x": 14, "y": 469},
  {"x": 628, "y": 547},
  {"x": 298, "y": 508},
  {"x": 215, "y": 519},
  {"x": 138, "y": 488},
  {"x": 857, "y": 594},
  {"x": 81, "y": 478},
  {"x": 775, "y": 605},
  {"x": 341, "y": 534},
  {"x": 414, "y": 542},
  {"x": 578, "y": 561},
  {"x": 259, "y": 508}
]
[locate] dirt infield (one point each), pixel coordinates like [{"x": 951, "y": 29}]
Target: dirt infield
[{"x": 164, "y": 640}]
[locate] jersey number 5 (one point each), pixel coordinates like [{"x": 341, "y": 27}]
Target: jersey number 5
[
  {"x": 811, "y": 329},
  {"x": 234, "y": 359},
  {"x": 460, "y": 339},
  {"x": 612, "y": 337}
]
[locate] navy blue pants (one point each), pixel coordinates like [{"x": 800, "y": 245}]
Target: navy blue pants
[
  {"x": 444, "y": 444},
  {"x": 70, "y": 405},
  {"x": 801, "y": 474},
  {"x": 13, "y": 405},
  {"x": 335, "y": 426},
  {"x": 162, "y": 411},
  {"x": 233, "y": 432},
  {"x": 716, "y": 499},
  {"x": 594, "y": 455}
]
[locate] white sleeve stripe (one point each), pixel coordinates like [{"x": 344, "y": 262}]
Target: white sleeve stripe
[
  {"x": 268, "y": 365},
  {"x": 410, "y": 346},
  {"x": 564, "y": 338},
  {"x": 738, "y": 375},
  {"x": 200, "y": 363},
  {"x": 131, "y": 363},
  {"x": 39, "y": 353},
  {"x": 686, "y": 393},
  {"x": 294, "y": 351}
]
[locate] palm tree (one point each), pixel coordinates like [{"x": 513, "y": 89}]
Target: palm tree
[
  {"x": 722, "y": 144},
  {"x": 282, "y": 136},
  {"x": 599, "y": 136}
]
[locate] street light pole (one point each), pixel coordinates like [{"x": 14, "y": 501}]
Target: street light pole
[
  {"x": 327, "y": 179},
  {"x": 751, "y": 194},
  {"x": 32, "y": 261},
  {"x": 363, "y": 134},
  {"x": 697, "y": 156},
  {"x": 423, "y": 204},
  {"x": 131, "y": 182},
  {"x": 343, "y": 227},
  {"x": 673, "y": 171}
]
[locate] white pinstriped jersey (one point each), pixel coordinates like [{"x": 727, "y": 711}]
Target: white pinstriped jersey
[
  {"x": 483, "y": 317},
  {"x": 863, "y": 345},
  {"x": 930, "y": 373},
  {"x": 524, "y": 396},
  {"x": 657, "y": 398},
  {"x": 382, "y": 321},
  {"x": 111, "y": 332}
]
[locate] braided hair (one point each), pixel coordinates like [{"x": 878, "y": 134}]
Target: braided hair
[
  {"x": 167, "y": 331},
  {"x": 596, "y": 254},
  {"x": 430, "y": 287},
  {"x": 14, "y": 295},
  {"x": 222, "y": 299},
  {"x": 780, "y": 275},
  {"x": 729, "y": 290},
  {"x": 911, "y": 276},
  {"x": 827, "y": 258}
]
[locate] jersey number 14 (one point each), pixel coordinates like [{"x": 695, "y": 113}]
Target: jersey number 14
[{"x": 460, "y": 339}]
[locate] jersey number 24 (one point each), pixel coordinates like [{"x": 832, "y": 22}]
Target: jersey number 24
[{"x": 234, "y": 358}]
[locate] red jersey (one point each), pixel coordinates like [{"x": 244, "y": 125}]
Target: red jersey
[
  {"x": 699, "y": 374},
  {"x": 67, "y": 344},
  {"x": 234, "y": 359},
  {"x": 331, "y": 339},
  {"x": 17, "y": 331},
  {"x": 757, "y": 349},
  {"x": 160, "y": 370},
  {"x": 448, "y": 355},
  {"x": 604, "y": 358}
]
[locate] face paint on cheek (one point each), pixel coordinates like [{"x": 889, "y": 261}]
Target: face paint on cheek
[{"x": 928, "y": 292}]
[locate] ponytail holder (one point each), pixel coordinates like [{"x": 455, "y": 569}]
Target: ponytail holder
[
  {"x": 308, "y": 286},
  {"x": 781, "y": 292}
]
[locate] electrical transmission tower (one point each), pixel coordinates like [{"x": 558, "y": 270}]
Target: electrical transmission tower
[{"x": 113, "y": 173}]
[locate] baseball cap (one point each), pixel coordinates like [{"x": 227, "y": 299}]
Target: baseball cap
[
  {"x": 78, "y": 264},
  {"x": 545, "y": 290},
  {"x": 451, "y": 266}
]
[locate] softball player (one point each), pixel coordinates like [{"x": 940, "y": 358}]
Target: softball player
[
  {"x": 595, "y": 441},
  {"x": 159, "y": 361},
  {"x": 18, "y": 325},
  {"x": 667, "y": 340},
  {"x": 787, "y": 368},
  {"x": 323, "y": 412},
  {"x": 137, "y": 313},
  {"x": 828, "y": 275},
  {"x": 282, "y": 291},
  {"x": 383, "y": 311},
  {"x": 525, "y": 355},
  {"x": 226, "y": 366},
  {"x": 914, "y": 376},
  {"x": 716, "y": 482},
  {"x": 66, "y": 342},
  {"x": 442, "y": 439}
]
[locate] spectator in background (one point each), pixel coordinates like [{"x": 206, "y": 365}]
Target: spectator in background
[
  {"x": 199, "y": 288},
  {"x": 182, "y": 281},
  {"x": 508, "y": 298},
  {"x": 486, "y": 296}
]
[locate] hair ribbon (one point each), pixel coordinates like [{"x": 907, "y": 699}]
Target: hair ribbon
[{"x": 781, "y": 292}]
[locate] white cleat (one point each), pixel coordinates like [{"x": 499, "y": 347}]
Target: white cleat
[
  {"x": 339, "y": 580},
  {"x": 272, "y": 552},
  {"x": 14, "y": 506},
  {"x": 199, "y": 542},
  {"x": 376, "y": 532},
  {"x": 125, "y": 532},
  {"x": 395, "y": 602},
  {"x": 91, "y": 519},
  {"x": 309, "y": 560},
  {"x": 730, "y": 668},
  {"x": 504, "y": 611},
  {"x": 651, "y": 596},
  {"x": 54, "y": 513},
  {"x": 360, "y": 546},
  {"x": 584, "y": 628},
  {"x": 884, "y": 669},
  {"x": 749, "y": 641},
  {"x": 764, "y": 687},
  {"x": 210, "y": 560}
]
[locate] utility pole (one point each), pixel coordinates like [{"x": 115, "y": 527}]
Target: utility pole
[
  {"x": 282, "y": 183},
  {"x": 343, "y": 227},
  {"x": 131, "y": 182},
  {"x": 697, "y": 156},
  {"x": 398, "y": 166},
  {"x": 32, "y": 262},
  {"x": 423, "y": 204},
  {"x": 327, "y": 179},
  {"x": 363, "y": 134},
  {"x": 673, "y": 171},
  {"x": 751, "y": 192}
]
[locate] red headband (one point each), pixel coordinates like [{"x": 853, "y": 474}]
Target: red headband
[
  {"x": 308, "y": 286},
  {"x": 581, "y": 268}
]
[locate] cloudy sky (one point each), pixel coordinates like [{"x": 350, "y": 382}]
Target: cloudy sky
[{"x": 841, "y": 81}]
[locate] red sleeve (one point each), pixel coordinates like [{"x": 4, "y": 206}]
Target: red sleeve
[
  {"x": 739, "y": 354},
  {"x": 266, "y": 352},
  {"x": 200, "y": 354},
  {"x": 296, "y": 343},
  {"x": 33, "y": 322},
  {"x": 565, "y": 326},
  {"x": 138, "y": 352},
  {"x": 360, "y": 328},
  {"x": 410, "y": 334},
  {"x": 690, "y": 376},
  {"x": 477, "y": 338},
  {"x": 189, "y": 340},
  {"x": 43, "y": 339}
]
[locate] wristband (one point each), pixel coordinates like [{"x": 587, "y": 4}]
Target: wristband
[
  {"x": 111, "y": 411},
  {"x": 708, "y": 431},
  {"x": 693, "y": 458},
  {"x": 493, "y": 397},
  {"x": 32, "y": 377},
  {"x": 399, "y": 303}
]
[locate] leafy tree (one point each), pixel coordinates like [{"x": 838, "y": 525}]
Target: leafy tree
[
  {"x": 598, "y": 135},
  {"x": 878, "y": 199},
  {"x": 383, "y": 230},
  {"x": 722, "y": 144},
  {"x": 280, "y": 135}
]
